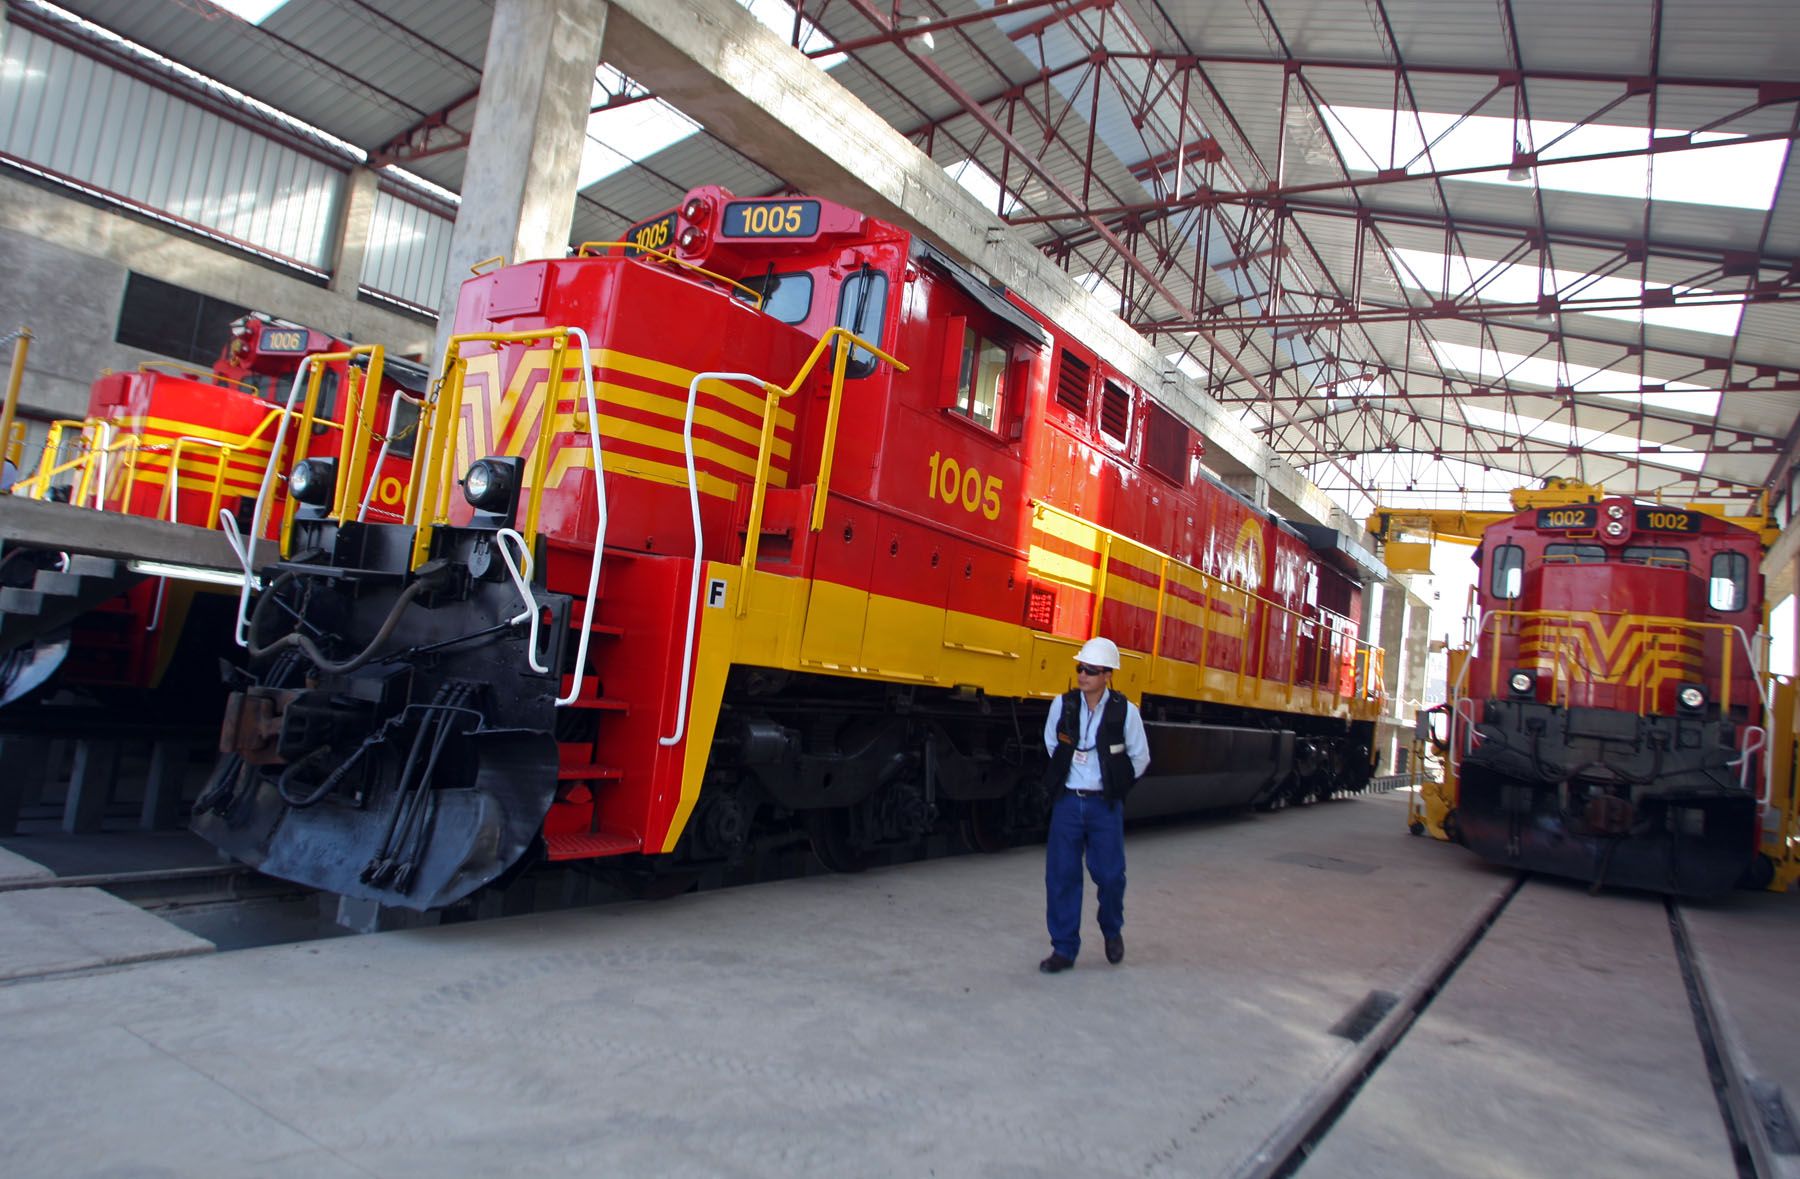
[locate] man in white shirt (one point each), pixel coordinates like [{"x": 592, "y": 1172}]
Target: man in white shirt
[{"x": 1098, "y": 751}]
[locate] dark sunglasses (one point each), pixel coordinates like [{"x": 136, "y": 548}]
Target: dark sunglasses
[{"x": 1084, "y": 669}]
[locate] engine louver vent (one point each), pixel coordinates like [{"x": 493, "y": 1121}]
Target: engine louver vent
[
  {"x": 1115, "y": 412},
  {"x": 1166, "y": 445},
  {"x": 1072, "y": 383}
]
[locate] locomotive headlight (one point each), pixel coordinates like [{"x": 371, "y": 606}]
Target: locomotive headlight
[
  {"x": 695, "y": 210},
  {"x": 1691, "y": 697},
  {"x": 691, "y": 238},
  {"x": 1615, "y": 528},
  {"x": 313, "y": 481},
  {"x": 1522, "y": 684},
  {"x": 1615, "y": 511},
  {"x": 491, "y": 486}
]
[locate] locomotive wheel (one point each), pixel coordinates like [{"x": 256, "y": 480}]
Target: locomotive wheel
[
  {"x": 828, "y": 830},
  {"x": 982, "y": 826}
]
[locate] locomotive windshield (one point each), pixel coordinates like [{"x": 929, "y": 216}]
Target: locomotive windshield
[{"x": 786, "y": 297}]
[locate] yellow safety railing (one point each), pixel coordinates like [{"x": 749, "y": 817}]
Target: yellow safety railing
[
  {"x": 1563, "y": 638},
  {"x": 1332, "y": 646},
  {"x": 353, "y": 456},
  {"x": 427, "y": 497},
  {"x": 172, "y": 487},
  {"x": 662, "y": 256},
  {"x": 12, "y": 441},
  {"x": 38, "y": 485},
  {"x": 772, "y": 395}
]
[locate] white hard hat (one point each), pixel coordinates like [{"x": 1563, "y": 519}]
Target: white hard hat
[{"x": 1099, "y": 653}]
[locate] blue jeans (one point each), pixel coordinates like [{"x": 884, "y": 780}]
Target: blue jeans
[{"x": 1079, "y": 822}]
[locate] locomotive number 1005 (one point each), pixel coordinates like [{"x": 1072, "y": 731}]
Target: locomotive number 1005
[{"x": 956, "y": 484}]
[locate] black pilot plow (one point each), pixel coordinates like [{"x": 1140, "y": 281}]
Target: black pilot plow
[{"x": 394, "y": 739}]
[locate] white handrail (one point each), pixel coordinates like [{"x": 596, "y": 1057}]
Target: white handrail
[
  {"x": 587, "y": 617},
  {"x": 162, "y": 583},
  {"x": 362, "y": 512},
  {"x": 1755, "y": 739},
  {"x": 1468, "y": 728},
  {"x": 248, "y": 552},
  {"x": 104, "y": 441},
  {"x": 687, "y": 646},
  {"x": 521, "y": 580}
]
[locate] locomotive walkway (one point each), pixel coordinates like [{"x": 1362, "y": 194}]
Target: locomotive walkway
[{"x": 1311, "y": 992}]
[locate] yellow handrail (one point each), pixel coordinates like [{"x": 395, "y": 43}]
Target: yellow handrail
[
  {"x": 765, "y": 447},
  {"x": 9, "y": 406},
  {"x": 662, "y": 256},
  {"x": 171, "y": 490},
  {"x": 1211, "y": 587},
  {"x": 434, "y": 458},
  {"x": 1572, "y": 623},
  {"x": 39, "y": 483},
  {"x": 357, "y": 459}
]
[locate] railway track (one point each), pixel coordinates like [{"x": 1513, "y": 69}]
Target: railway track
[{"x": 1753, "y": 1120}]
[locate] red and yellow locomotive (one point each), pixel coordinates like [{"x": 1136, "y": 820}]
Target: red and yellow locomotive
[
  {"x": 172, "y": 442},
  {"x": 1612, "y": 721},
  {"x": 855, "y": 512}
]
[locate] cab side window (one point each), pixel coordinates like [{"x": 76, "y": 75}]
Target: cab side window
[
  {"x": 1508, "y": 571},
  {"x": 862, "y": 307},
  {"x": 1729, "y": 588},
  {"x": 981, "y": 381}
]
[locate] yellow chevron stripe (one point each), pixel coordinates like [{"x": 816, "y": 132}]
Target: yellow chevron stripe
[
  {"x": 168, "y": 429},
  {"x": 655, "y": 370},
  {"x": 670, "y": 407},
  {"x": 571, "y": 458}
]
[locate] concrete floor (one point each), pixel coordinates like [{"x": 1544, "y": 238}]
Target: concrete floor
[{"x": 888, "y": 1024}]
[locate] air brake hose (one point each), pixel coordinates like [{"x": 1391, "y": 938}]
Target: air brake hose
[{"x": 306, "y": 646}]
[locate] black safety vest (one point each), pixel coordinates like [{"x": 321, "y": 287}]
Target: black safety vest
[{"x": 1117, "y": 774}]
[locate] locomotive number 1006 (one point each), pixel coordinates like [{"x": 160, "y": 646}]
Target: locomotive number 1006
[{"x": 956, "y": 484}]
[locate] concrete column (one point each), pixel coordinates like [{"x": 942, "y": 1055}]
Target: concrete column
[
  {"x": 537, "y": 83},
  {"x": 355, "y": 215},
  {"x": 24, "y": 765},
  {"x": 1393, "y": 634},
  {"x": 1365, "y": 626},
  {"x": 162, "y": 789},
  {"x": 1249, "y": 485},
  {"x": 1416, "y": 650},
  {"x": 90, "y": 785}
]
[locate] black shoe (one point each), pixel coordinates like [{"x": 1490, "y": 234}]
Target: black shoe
[
  {"x": 1115, "y": 950},
  {"x": 1055, "y": 964}
]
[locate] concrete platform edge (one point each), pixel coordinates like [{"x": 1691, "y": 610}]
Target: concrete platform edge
[
  {"x": 1263, "y": 1162},
  {"x": 1736, "y": 1059}
]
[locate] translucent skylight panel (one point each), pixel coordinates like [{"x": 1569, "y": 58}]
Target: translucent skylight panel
[
  {"x": 1410, "y": 479},
  {"x": 1485, "y": 364},
  {"x": 620, "y": 137},
  {"x": 1518, "y": 282},
  {"x": 980, "y": 184},
  {"x": 778, "y": 17},
  {"x": 1187, "y": 365},
  {"x": 1740, "y": 176},
  {"x": 253, "y": 11},
  {"x": 1684, "y": 458},
  {"x": 1097, "y": 282}
]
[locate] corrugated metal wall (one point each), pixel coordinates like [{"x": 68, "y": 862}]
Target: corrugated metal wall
[
  {"x": 81, "y": 120},
  {"x": 77, "y": 119},
  {"x": 409, "y": 251}
]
